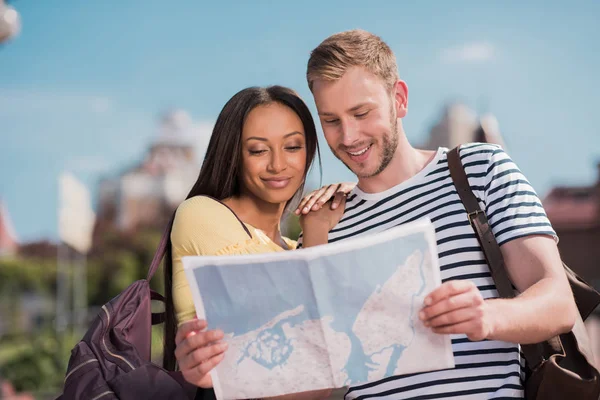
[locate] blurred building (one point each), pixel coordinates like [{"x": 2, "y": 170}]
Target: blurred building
[
  {"x": 8, "y": 238},
  {"x": 575, "y": 215},
  {"x": 459, "y": 124},
  {"x": 146, "y": 194}
]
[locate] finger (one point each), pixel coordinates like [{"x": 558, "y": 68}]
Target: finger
[
  {"x": 202, "y": 355},
  {"x": 462, "y": 300},
  {"x": 188, "y": 327},
  {"x": 472, "y": 328},
  {"x": 338, "y": 199},
  {"x": 324, "y": 198},
  {"x": 447, "y": 289},
  {"x": 311, "y": 202},
  {"x": 199, "y": 371},
  {"x": 453, "y": 317},
  {"x": 304, "y": 201},
  {"x": 193, "y": 342},
  {"x": 347, "y": 187}
]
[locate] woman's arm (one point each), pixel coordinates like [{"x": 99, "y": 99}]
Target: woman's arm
[{"x": 317, "y": 224}]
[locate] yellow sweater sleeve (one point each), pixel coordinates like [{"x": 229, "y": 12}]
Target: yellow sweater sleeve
[
  {"x": 206, "y": 227},
  {"x": 202, "y": 226}
]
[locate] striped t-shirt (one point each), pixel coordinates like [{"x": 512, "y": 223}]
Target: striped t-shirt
[{"x": 487, "y": 369}]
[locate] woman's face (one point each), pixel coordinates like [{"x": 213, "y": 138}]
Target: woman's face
[{"x": 273, "y": 153}]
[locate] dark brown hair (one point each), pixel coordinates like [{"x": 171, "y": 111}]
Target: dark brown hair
[{"x": 219, "y": 175}]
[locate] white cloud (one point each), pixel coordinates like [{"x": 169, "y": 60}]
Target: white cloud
[
  {"x": 34, "y": 100},
  {"x": 474, "y": 52}
]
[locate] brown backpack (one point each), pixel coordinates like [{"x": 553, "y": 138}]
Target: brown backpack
[
  {"x": 112, "y": 361},
  {"x": 559, "y": 368}
]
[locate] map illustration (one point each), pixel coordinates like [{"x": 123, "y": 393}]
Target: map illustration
[{"x": 324, "y": 317}]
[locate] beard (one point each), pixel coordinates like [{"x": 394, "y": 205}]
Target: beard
[{"x": 389, "y": 143}]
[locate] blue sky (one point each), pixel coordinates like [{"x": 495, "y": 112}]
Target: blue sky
[{"x": 83, "y": 85}]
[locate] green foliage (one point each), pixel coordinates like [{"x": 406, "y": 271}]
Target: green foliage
[
  {"x": 35, "y": 362},
  {"x": 291, "y": 227},
  {"x": 27, "y": 275}
]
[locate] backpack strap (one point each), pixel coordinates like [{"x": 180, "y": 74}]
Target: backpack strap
[
  {"x": 161, "y": 250},
  {"x": 487, "y": 240}
]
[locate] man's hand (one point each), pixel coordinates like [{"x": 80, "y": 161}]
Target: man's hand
[
  {"x": 458, "y": 307},
  {"x": 198, "y": 352},
  {"x": 317, "y": 198}
]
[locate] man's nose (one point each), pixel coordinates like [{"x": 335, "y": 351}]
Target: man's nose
[{"x": 349, "y": 132}]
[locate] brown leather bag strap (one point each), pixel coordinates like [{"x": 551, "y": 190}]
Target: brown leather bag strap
[{"x": 487, "y": 240}]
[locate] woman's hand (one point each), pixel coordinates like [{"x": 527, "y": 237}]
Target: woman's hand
[
  {"x": 198, "y": 351},
  {"x": 317, "y": 224},
  {"x": 315, "y": 199}
]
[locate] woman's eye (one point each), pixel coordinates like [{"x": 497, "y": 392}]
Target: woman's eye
[
  {"x": 256, "y": 152},
  {"x": 294, "y": 148}
]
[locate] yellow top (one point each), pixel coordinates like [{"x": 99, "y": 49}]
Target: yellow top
[{"x": 204, "y": 226}]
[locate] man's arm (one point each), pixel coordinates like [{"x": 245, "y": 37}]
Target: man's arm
[{"x": 544, "y": 308}]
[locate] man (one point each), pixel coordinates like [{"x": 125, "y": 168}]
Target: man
[{"x": 361, "y": 102}]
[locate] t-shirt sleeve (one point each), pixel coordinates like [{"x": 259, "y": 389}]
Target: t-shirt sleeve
[{"x": 513, "y": 207}]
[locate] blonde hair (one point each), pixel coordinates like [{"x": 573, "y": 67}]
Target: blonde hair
[{"x": 355, "y": 48}]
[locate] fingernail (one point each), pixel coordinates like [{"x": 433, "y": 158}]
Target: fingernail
[
  {"x": 427, "y": 301},
  {"x": 334, "y": 206},
  {"x": 305, "y": 209}
]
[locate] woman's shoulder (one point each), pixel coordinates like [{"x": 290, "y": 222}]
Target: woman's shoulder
[{"x": 204, "y": 211}]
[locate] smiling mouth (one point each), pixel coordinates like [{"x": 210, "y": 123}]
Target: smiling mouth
[
  {"x": 360, "y": 152},
  {"x": 277, "y": 183}
]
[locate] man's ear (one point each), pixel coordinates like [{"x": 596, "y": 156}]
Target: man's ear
[{"x": 401, "y": 98}]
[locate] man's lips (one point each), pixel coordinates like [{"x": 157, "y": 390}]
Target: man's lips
[
  {"x": 359, "y": 154},
  {"x": 359, "y": 151}
]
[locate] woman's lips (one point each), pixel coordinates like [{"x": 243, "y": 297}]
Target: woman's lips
[{"x": 277, "y": 183}]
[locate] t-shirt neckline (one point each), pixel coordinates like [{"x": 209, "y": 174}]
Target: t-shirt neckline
[{"x": 410, "y": 181}]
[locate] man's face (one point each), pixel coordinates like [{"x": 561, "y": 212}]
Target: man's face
[{"x": 359, "y": 119}]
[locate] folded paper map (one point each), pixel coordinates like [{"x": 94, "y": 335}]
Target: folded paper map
[{"x": 329, "y": 316}]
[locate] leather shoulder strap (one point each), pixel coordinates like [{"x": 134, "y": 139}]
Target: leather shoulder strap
[
  {"x": 487, "y": 240},
  {"x": 480, "y": 224}
]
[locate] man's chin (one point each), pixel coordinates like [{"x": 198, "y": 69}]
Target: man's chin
[{"x": 360, "y": 170}]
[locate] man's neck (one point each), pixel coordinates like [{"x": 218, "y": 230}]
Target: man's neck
[
  {"x": 258, "y": 213},
  {"x": 406, "y": 163}
]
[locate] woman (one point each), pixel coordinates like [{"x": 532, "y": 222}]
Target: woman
[{"x": 261, "y": 149}]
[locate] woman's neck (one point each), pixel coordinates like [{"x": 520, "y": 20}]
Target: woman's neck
[{"x": 258, "y": 213}]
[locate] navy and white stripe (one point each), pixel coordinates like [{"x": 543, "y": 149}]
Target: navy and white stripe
[{"x": 486, "y": 369}]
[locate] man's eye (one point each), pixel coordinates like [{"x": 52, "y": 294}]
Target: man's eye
[
  {"x": 332, "y": 121},
  {"x": 361, "y": 115}
]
